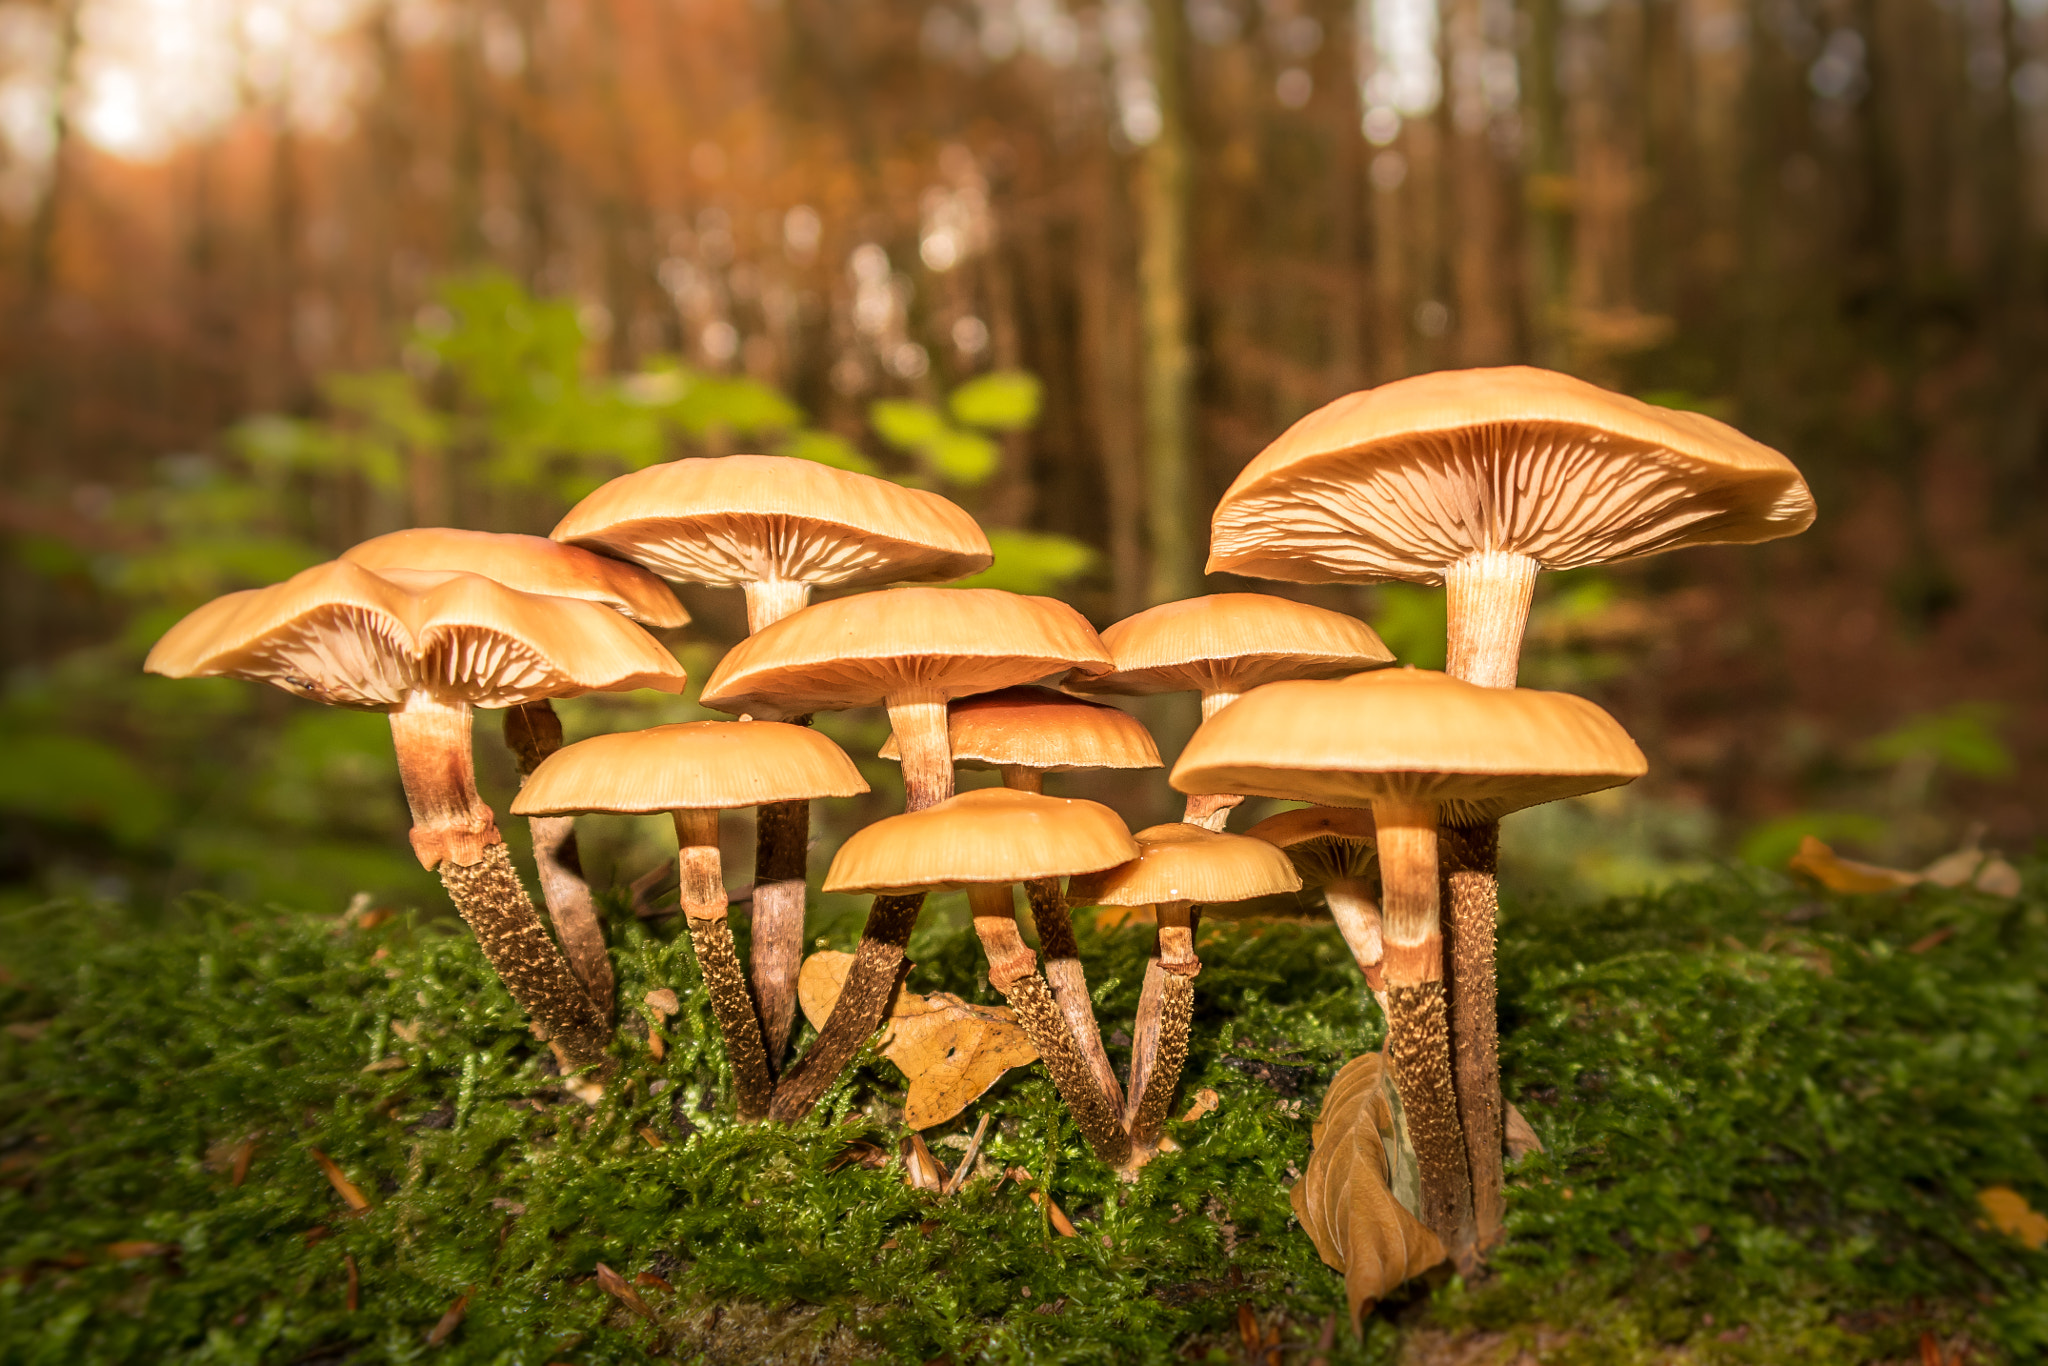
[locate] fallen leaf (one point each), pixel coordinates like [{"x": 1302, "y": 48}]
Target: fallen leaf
[
  {"x": 1345, "y": 1201},
  {"x": 372, "y": 919},
  {"x": 966, "y": 1167},
  {"x": 126, "y": 1251},
  {"x": 653, "y": 1138},
  {"x": 450, "y": 1321},
  {"x": 2011, "y": 1215},
  {"x": 951, "y": 1050},
  {"x": 355, "y": 1283},
  {"x": 1997, "y": 878},
  {"x": 664, "y": 1002},
  {"x": 1838, "y": 874},
  {"x": 653, "y": 1282},
  {"x": 920, "y": 1169},
  {"x": 29, "y": 1031},
  {"x": 391, "y": 1063},
  {"x": 1206, "y": 1102},
  {"x": 344, "y": 1187},
  {"x": 584, "y": 1089},
  {"x": 1060, "y": 1223},
  {"x": 1929, "y": 942},
  {"x": 1519, "y": 1138},
  {"x": 857, "y": 1154},
  {"x": 615, "y": 1285}
]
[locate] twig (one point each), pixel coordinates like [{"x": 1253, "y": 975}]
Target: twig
[{"x": 959, "y": 1176}]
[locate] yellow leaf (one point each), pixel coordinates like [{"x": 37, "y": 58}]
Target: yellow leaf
[
  {"x": 2011, "y": 1215},
  {"x": 1344, "y": 1200},
  {"x": 1838, "y": 874}
]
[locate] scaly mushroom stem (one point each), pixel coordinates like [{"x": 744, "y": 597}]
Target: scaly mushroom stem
[
  {"x": 1469, "y": 858},
  {"x": 1418, "y": 1040},
  {"x": 532, "y": 733},
  {"x": 771, "y": 601},
  {"x": 1159, "y": 1047},
  {"x": 782, "y": 835},
  {"x": 1358, "y": 920},
  {"x": 878, "y": 965},
  {"x": 498, "y": 912},
  {"x": 1062, "y": 955},
  {"x": 1013, "y": 970},
  {"x": 450, "y": 823},
  {"x": 1212, "y": 811},
  {"x": 1488, "y": 595},
  {"x": 704, "y": 909},
  {"x": 919, "y": 720}
]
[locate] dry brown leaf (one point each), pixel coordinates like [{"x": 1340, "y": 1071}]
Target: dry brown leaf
[
  {"x": 1206, "y": 1102},
  {"x": 1344, "y": 1201},
  {"x": 664, "y": 1002},
  {"x": 951, "y": 1050},
  {"x": 613, "y": 1284},
  {"x": 2011, "y": 1215},
  {"x": 1839, "y": 874},
  {"x": 1997, "y": 878},
  {"x": 125, "y": 1251},
  {"x": 1060, "y": 1223},
  {"x": 922, "y": 1171},
  {"x": 450, "y": 1321},
  {"x": 344, "y": 1187},
  {"x": 1519, "y": 1138}
]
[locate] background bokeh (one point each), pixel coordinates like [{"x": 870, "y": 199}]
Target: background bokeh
[{"x": 279, "y": 275}]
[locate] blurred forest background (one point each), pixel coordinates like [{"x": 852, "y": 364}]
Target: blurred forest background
[{"x": 283, "y": 274}]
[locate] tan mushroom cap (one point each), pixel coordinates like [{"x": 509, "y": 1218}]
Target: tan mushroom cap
[
  {"x": 1231, "y": 642},
  {"x": 1032, "y": 727},
  {"x": 340, "y": 634},
  {"x": 1326, "y": 843},
  {"x": 1182, "y": 862},
  {"x": 1411, "y": 736},
  {"x": 1401, "y": 481},
  {"x": 693, "y": 766},
  {"x": 939, "y": 643},
  {"x": 741, "y": 519},
  {"x": 989, "y": 835},
  {"x": 531, "y": 564}
]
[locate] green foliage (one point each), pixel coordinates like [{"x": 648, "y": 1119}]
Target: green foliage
[
  {"x": 1032, "y": 562},
  {"x": 1003, "y": 401},
  {"x": 1962, "y": 739},
  {"x": 1413, "y": 621}
]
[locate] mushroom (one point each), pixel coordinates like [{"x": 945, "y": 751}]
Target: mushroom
[
  {"x": 426, "y": 648},
  {"x": 776, "y": 527},
  {"x": 1334, "y": 848},
  {"x": 1224, "y": 645},
  {"x": 1025, "y": 733},
  {"x": 1179, "y": 869},
  {"x": 985, "y": 841},
  {"x": 1419, "y": 748},
  {"x": 911, "y": 650},
  {"x": 1477, "y": 479},
  {"x": 694, "y": 771},
  {"x": 535, "y": 564}
]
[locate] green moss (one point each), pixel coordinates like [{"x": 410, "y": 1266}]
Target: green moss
[{"x": 1766, "y": 1123}]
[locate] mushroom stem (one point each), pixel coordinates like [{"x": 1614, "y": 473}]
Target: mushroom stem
[
  {"x": 1418, "y": 1039},
  {"x": 919, "y": 720},
  {"x": 1488, "y": 595},
  {"x": 1358, "y": 920},
  {"x": 771, "y": 600},
  {"x": 532, "y": 733},
  {"x": 704, "y": 908},
  {"x": 1063, "y": 970},
  {"x": 1212, "y": 811},
  {"x": 878, "y": 964},
  {"x": 1470, "y": 856},
  {"x": 1159, "y": 1048},
  {"x": 782, "y": 834},
  {"x": 450, "y": 823},
  {"x": 1013, "y": 970}
]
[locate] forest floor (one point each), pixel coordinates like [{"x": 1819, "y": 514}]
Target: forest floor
[{"x": 1768, "y": 1117}]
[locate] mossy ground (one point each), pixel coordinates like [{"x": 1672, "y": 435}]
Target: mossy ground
[{"x": 1767, "y": 1117}]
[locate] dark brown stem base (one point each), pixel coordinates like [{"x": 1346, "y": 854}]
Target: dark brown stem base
[
  {"x": 1047, "y": 1029},
  {"x": 719, "y": 961},
  {"x": 1470, "y": 858},
  {"x": 1419, "y": 1046},
  {"x": 1061, "y": 961},
  {"x": 532, "y": 733},
  {"x": 500, "y": 914},
  {"x": 782, "y": 832},
  {"x": 878, "y": 964}
]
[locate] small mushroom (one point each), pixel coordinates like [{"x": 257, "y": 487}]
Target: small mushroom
[
  {"x": 776, "y": 527},
  {"x": 911, "y": 650},
  {"x": 535, "y": 564},
  {"x": 426, "y": 648},
  {"x": 1180, "y": 868},
  {"x": 1026, "y": 733},
  {"x": 693, "y": 771},
  {"x": 985, "y": 841},
  {"x": 1418, "y": 748},
  {"x": 1333, "y": 848},
  {"x": 1222, "y": 646}
]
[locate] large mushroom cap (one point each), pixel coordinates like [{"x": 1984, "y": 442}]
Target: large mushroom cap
[
  {"x": 939, "y": 643},
  {"x": 531, "y": 564},
  {"x": 741, "y": 519},
  {"x": 340, "y": 634},
  {"x": 1411, "y": 736},
  {"x": 990, "y": 835},
  {"x": 1326, "y": 843},
  {"x": 1231, "y": 642},
  {"x": 694, "y": 766},
  {"x": 1032, "y": 727},
  {"x": 1182, "y": 862},
  {"x": 1401, "y": 481}
]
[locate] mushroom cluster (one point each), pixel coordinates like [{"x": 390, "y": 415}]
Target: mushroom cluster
[{"x": 1475, "y": 480}]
